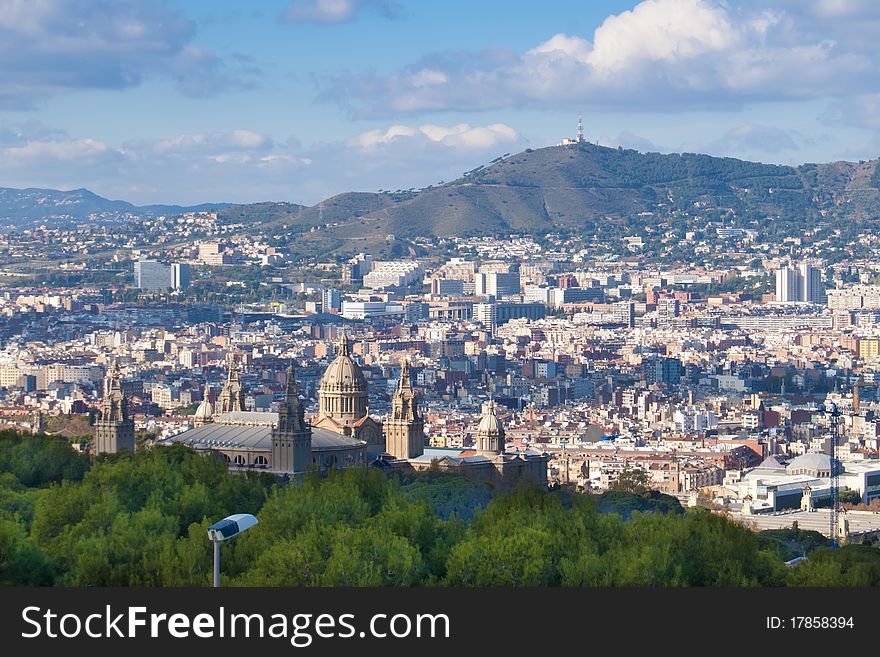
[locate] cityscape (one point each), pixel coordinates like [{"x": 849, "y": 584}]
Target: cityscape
[{"x": 563, "y": 360}]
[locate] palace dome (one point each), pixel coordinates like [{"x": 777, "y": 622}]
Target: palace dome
[
  {"x": 490, "y": 425},
  {"x": 205, "y": 411},
  {"x": 343, "y": 374}
]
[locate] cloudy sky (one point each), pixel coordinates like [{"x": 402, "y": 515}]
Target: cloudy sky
[{"x": 187, "y": 101}]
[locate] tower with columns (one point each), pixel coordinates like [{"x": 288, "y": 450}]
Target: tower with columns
[
  {"x": 114, "y": 430},
  {"x": 404, "y": 428}
]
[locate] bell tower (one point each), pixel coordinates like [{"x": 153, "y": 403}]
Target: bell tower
[
  {"x": 232, "y": 396},
  {"x": 114, "y": 430},
  {"x": 405, "y": 428},
  {"x": 292, "y": 436}
]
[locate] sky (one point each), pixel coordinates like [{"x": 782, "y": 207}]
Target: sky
[{"x": 191, "y": 101}]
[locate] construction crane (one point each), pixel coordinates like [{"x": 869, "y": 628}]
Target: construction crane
[{"x": 834, "y": 414}]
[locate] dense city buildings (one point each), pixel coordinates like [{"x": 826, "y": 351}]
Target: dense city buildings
[{"x": 706, "y": 359}]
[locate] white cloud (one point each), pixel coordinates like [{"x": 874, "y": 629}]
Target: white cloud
[
  {"x": 660, "y": 31},
  {"x": 213, "y": 144},
  {"x": 461, "y": 136},
  {"x": 562, "y": 47},
  {"x": 336, "y": 11},
  {"x": 63, "y": 151},
  {"x": 244, "y": 165},
  {"x": 51, "y": 47},
  {"x": 428, "y": 77},
  {"x": 662, "y": 55}
]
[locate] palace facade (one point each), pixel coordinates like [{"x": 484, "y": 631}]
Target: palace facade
[{"x": 343, "y": 434}]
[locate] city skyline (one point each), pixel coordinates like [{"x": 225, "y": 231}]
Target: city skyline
[{"x": 297, "y": 101}]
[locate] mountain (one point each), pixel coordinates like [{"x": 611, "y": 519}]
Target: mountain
[
  {"x": 578, "y": 188},
  {"x": 586, "y": 188},
  {"x": 589, "y": 189},
  {"x": 23, "y": 207}
]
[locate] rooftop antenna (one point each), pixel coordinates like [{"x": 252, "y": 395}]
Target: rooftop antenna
[{"x": 580, "y": 132}]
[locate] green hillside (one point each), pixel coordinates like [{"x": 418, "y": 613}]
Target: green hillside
[
  {"x": 141, "y": 520},
  {"x": 587, "y": 189}
]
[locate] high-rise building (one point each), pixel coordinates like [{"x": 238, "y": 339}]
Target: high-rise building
[
  {"x": 416, "y": 312},
  {"x": 664, "y": 370},
  {"x": 484, "y": 313},
  {"x": 625, "y": 313},
  {"x": 180, "y": 275},
  {"x": 497, "y": 284},
  {"x": 668, "y": 308},
  {"x": 496, "y": 314},
  {"x": 802, "y": 283},
  {"x": 788, "y": 286},
  {"x": 559, "y": 296},
  {"x": 331, "y": 300},
  {"x": 152, "y": 275},
  {"x": 812, "y": 290},
  {"x": 355, "y": 269}
]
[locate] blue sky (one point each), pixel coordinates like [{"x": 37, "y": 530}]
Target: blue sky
[{"x": 192, "y": 101}]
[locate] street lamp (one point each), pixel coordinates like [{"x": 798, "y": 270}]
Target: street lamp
[{"x": 227, "y": 528}]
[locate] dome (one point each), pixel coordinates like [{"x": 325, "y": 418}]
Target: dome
[
  {"x": 205, "y": 411},
  {"x": 490, "y": 431},
  {"x": 343, "y": 374},
  {"x": 490, "y": 425}
]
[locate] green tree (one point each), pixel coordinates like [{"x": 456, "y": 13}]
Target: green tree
[
  {"x": 21, "y": 562},
  {"x": 631, "y": 480}
]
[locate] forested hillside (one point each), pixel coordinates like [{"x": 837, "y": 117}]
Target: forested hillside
[
  {"x": 588, "y": 190},
  {"x": 142, "y": 519}
]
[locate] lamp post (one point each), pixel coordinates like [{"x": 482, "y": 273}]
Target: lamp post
[{"x": 227, "y": 528}]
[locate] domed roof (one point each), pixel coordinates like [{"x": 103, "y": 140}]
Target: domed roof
[
  {"x": 490, "y": 425},
  {"x": 205, "y": 411},
  {"x": 344, "y": 374}
]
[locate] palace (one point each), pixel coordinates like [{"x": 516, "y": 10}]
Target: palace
[{"x": 343, "y": 434}]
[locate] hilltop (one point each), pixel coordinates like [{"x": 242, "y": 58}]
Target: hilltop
[
  {"x": 580, "y": 188},
  {"x": 588, "y": 189}
]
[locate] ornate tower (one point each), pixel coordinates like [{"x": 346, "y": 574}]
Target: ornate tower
[
  {"x": 232, "y": 396},
  {"x": 405, "y": 428},
  {"x": 343, "y": 389},
  {"x": 490, "y": 432},
  {"x": 292, "y": 436},
  {"x": 114, "y": 430}
]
